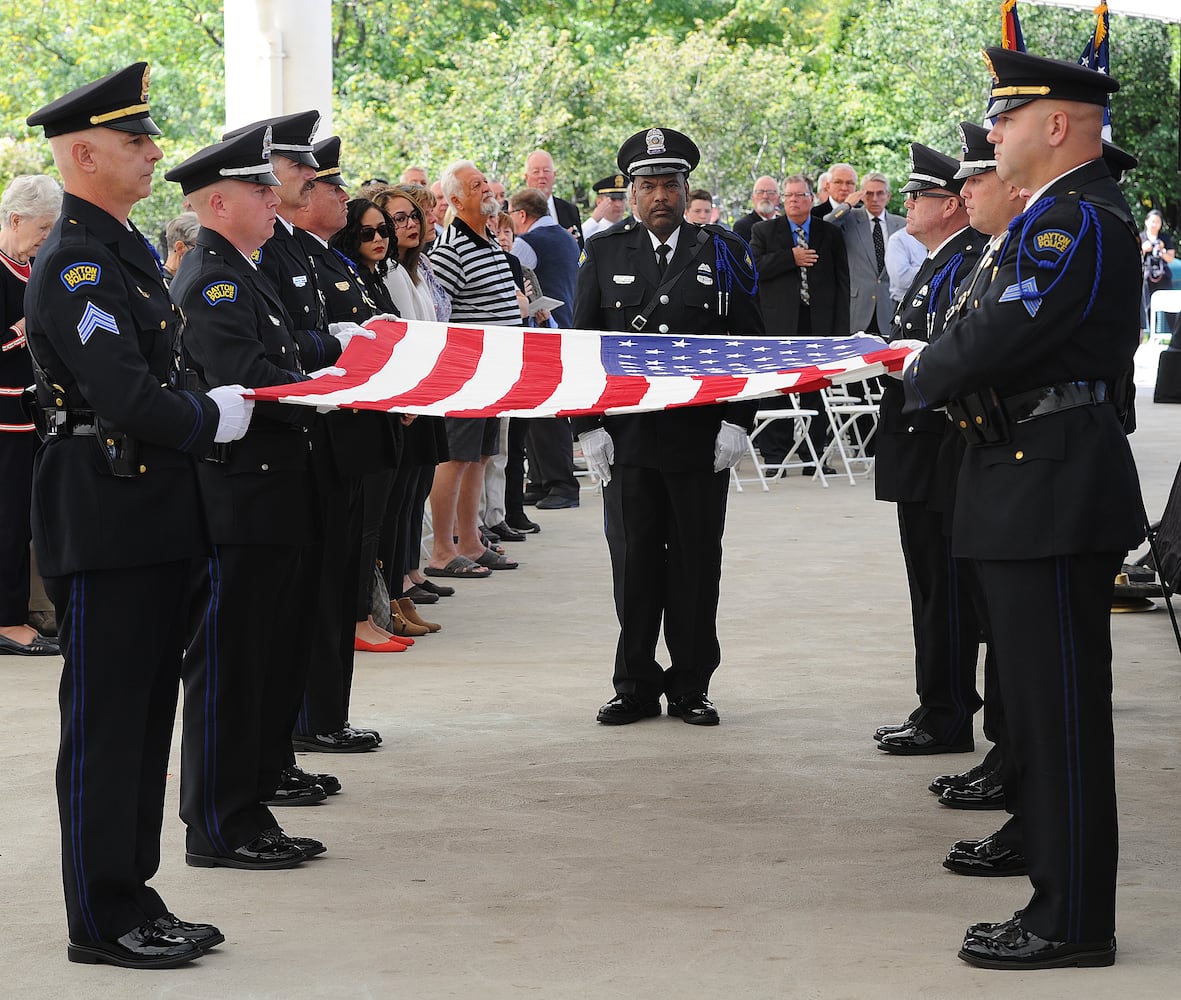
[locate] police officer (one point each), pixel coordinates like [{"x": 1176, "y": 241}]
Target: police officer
[
  {"x": 908, "y": 470},
  {"x": 359, "y": 443},
  {"x": 1048, "y": 501},
  {"x": 116, "y": 518},
  {"x": 260, "y": 503},
  {"x": 665, "y": 474}
]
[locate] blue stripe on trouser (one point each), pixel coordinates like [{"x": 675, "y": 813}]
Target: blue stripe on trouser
[
  {"x": 1070, "y": 721},
  {"x": 212, "y": 666},
  {"x": 77, "y": 653}
]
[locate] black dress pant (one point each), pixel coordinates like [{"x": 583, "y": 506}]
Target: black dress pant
[
  {"x": 550, "y": 444},
  {"x": 118, "y": 703},
  {"x": 333, "y": 628},
  {"x": 237, "y": 678},
  {"x": 1051, "y": 625},
  {"x": 17, "y": 449},
  {"x": 664, "y": 532},
  {"x": 946, "y": 629}
]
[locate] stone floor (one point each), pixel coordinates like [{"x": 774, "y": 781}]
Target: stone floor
[{"x": 501, "y": 844}]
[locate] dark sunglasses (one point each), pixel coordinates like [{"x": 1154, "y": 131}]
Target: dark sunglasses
[{"x": 369, "y": 233}]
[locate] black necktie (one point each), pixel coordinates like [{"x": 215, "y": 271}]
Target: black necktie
[
  {"x": 805, "y": 295},
  {"x": 879, "y": 244},
  {"x": 662, "y": 253}
]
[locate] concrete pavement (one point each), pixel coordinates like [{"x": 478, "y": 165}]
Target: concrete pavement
[{"x": 501, "y": 844}]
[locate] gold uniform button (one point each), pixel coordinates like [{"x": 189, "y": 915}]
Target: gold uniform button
[
  {"x": 979, "y": 420},
  {"x": 143, "y": 469},
  {"x": 963, "y": 424},
  {"x": 1020, "y": 455},
  {"x": 57, "y": 402},
  {"x": 163, "y": 324},
  {"x": 110, "y": 442}
]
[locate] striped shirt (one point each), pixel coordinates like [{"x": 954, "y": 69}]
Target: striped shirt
[{"x": 475, "y": 272}]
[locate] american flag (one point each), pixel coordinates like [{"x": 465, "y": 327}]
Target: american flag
[
  {"x": 490, "y": 371},
  {"x": 1097, "y": 56}
]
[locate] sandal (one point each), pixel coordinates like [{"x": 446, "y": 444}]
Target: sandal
[
  {"x": 494, "y": 560},
  {"x": 461, "y": 568}
]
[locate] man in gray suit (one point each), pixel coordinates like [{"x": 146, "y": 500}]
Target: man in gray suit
[{"x": 867, "y": 228}]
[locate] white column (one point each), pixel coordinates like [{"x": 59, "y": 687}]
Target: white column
[{"x": 278, "y": 57}]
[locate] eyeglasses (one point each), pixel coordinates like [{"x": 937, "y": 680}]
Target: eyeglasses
[
  {"x": 916, "y": 195},
  {"x": 766, "y": 191},
  {"x": 797, "y": 194},
  {"x": 403, "y": 219},
  {"x": 370, "y": 233}
]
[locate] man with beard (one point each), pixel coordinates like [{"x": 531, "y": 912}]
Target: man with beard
[{"x": 765, "y": 202}]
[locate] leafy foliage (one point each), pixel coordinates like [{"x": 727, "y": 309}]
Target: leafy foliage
[{"x": 764, "y": 86}]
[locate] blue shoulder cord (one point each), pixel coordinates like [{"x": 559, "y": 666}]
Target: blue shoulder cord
[
  {"x": 1026, "y": 220},
  {"x": 730, "y": 266},
  {"x": 943, "y": 274}
]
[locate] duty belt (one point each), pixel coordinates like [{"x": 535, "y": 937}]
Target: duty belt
[
  {"x": 70, "y": 423},
  {"x": 1034, "y": 403}
]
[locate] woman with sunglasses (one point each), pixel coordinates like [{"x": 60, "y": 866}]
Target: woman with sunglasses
[
  {"x": 418, "y": 296},
  {"x": 365, "y": 240}
]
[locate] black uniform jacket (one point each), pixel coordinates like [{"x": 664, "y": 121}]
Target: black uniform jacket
[
  {"x": 772, "y": 245},
  {"x": 101, "y": 328},
  {"x": 361, "y": 441},
  {"x": 285, "y": 263},
  {"x": 1064, "y": 482},
  {"x": 237, "y": 332},
  {"x": 617, "y": 278},
  {"x": 908, "y": 444}
]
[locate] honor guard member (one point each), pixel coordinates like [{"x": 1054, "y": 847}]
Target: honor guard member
[
  {"x": 116, "y": 518},
  {"x": 908, "y": 471},
  {"x": 359, "y": 443},
  {"x": 610, "y": 204},
  {"x": 665, "y": 475},
  {"x": 1037, "y": 377},
  {"x": 259, "y": 500}
]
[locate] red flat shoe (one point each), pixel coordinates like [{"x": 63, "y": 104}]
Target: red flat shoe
[{"x": 389, "y": 646}]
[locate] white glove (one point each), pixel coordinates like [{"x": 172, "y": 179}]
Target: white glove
[
  {"x": 330, "y": 370},
  {"x": 388, "y": 317},
  {"x": 729, "y": 447},
  {"x": 915, "y": 347},
  {"x": 344, "y": 332},
  {"x": 233, "y": 412},
  {"x": 599, "y": 451}
]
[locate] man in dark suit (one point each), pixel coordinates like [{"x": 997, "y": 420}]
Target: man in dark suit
[
  {"x": 803, "y": 292},
  {"x": 909, "y": 449},
  {"x": 765, "y": 205},
  {"x": 867, "y": 227},
  {"x": 540, "y": 174},
  {"x": 665, "y": 474},
  {"x": 116, "y": 518},
  {"x": 1048, "y": 501}
]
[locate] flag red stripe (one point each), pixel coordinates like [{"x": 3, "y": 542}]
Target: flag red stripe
[
  {"x": 541, "y": 374},
  {"x": 715, "y": 387},
  {"x": 621, "y": 390},
  {"x": 454, "y": 368},
  {"x": 376, "y": 356}
]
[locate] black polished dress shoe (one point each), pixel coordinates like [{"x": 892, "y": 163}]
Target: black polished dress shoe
[
  {"x": 695, "y": 709},
  {"x": 204, "y": 936},
  {"x": 329, "y": 782},
  {"x": 296, "y": 790},
  {"x": 961, "y": 780},
  {"x": 986, "y": 858},
  {"x": 986, "y": 928},
  {"x": 270, "y": 850},
  {"x": 886, "y": 730},
  {"x": 370, "y": 732},
  {"x": 1011, "y": 946},
  {"x": 310, "y": 847},
  {"x": 343, "y": 741},
  {"x": 914, "y": 740},
  {"x": 625, "y": 708},
  {"x": 507, "y": 534},
  {"x": 983, "y": 793},
  {"x": 144, "y": 947}
]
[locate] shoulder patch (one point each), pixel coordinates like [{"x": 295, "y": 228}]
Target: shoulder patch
[
  {"x": 220, "y": 291},
  {"x": 84, "y": 272},
  {"x": 94, "y": 318},
  {"x": 1052, "y": 243},
  {"x": 582, "y": 258}
]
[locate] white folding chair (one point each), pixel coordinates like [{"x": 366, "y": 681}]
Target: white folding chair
[
  {"x": 1161, "y": 303},
  {"x": 802, "y": 420},
  {"x": 847, "y": 415}
]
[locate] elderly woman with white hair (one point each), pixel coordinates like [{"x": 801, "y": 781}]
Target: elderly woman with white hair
[{"x": 29, "y": 207}]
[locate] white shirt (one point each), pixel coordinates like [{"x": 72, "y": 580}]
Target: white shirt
[
  {"x": 904, "y": 257},
  {"x": 413, "y": 301},
  {"x": 670, "y": 242}
]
